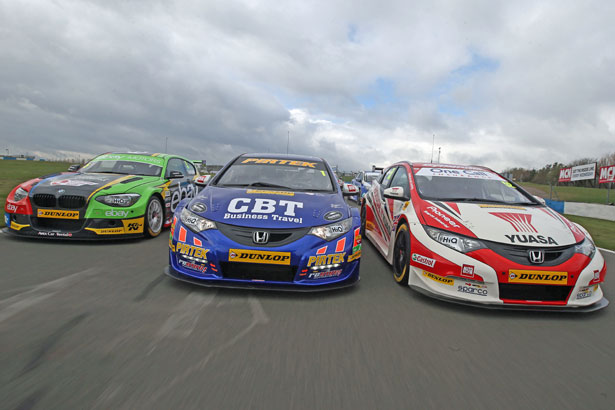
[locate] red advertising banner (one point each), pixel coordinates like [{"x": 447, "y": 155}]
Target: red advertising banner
[
  {"x": 607, "y": 174},
  {"x": 565, "y": 174}
]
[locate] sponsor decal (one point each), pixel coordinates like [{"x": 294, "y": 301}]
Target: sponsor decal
[
  {"x": 191, "y": 251},
  {"x": 326, "y": 259},
  {"x": 354, "y": 256},
  {"x": 423, "y": 260},
  {"x": 253, "y": 256},
  {"x": 133, "y": 225},
  {"x": 439, "y": 214},
  {"x": 356, "y": 243},
  {"x": 117, "y": 213},
  {"x": 262, "y": 208},
  {"x": 539, "y": 277},
  {"x": 72, "y": 182},
  {"x": 406, "y": 204},
  {"x": 58, "y": 214},
  {"x": 520, "y": 222},
  {"x": 467, "y": 271},
  {"x": 7, "y": 220},
  {"x": 531, "y": 239},
  {"x": 11, "y": 208},
  {"x": 607, "y": 174},
  {"x": 184, "y": 190},
  {"x": 369, "y": 226},
  {"x": 193, "y": 266},
  {"x": 272, "y": 161},
  {"x": 521, "y": 208},
  {"x": 325, "y": 274},
  {"x": 107, "y": 231},
  {"x": 131, "y": 157},
  {"x": 55, "y": 234},
  {"x": 438, "y": 278},
  {"x": 472, "y": 290},
  {"x": 459, "y": 173},
  {"x": 585, "y": 292},
  {"x": 264, "y": 191}
]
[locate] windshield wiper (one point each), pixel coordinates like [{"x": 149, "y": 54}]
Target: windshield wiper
[{"x": 267, "y": 184}]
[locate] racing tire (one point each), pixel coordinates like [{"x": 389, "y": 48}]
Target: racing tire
[
  {"x": 363, "y": 221},
  {"x": 154, "y": 217},
  {"x": 401, "y": 255}
]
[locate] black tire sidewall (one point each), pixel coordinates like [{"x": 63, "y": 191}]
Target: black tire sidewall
[{"x": 402, "y": 277}]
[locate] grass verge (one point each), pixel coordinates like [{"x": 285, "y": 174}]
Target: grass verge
[
  {"x": 574, "y": 193},
  {"x": 602, "y": 231}
]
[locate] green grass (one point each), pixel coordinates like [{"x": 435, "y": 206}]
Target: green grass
[
  {"x": 602, "y": 231},
  {"x": 574, "y": 194},
  {"x": 14, "y": 172}
]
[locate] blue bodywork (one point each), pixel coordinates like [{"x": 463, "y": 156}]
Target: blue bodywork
[
  {"x": 360, "y": 182},
  {"x": 228, "y": 256}
]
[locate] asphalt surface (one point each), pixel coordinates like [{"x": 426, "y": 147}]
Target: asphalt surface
[{"x": 98, "y": 326}]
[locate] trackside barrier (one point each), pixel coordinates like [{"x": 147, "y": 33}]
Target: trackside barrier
[{"x": 598, "y": 211}]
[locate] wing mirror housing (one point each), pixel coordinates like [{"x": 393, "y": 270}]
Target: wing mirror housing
[
  {"x": 175, "y": 175},
  {"x": 395, "y": 192},
  {"x": 202, "y": 180},
  {"x": 349, "y": 190},
  {"x": 74, "y": 167}
]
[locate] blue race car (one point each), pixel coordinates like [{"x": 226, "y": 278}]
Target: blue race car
[
  {"x": 268, "y": 220},
  {"x": 363, "y": 181}
]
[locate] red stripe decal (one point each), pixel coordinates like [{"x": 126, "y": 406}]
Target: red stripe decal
[
  {"x": 182, "y": 234},
  {"x": 321, "y": 251},
  {"x": 340, "y": 245},
  {"x": 197, "y": 241}
]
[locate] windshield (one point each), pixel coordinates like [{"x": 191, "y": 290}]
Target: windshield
[
  {"x": 469, "y": 185},
  {"x": 369, "y": 177},
  {"x": 277, "y": 174},
  {"x": 122, "y": 167}
]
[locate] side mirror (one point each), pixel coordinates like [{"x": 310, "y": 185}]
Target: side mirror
[
  {"x": 175, "y": 174},
  {"x": 74, "y": 168},
  {"x": 395, "y": 192},
  {"x": 541, "y": 200},
  {"x": 349, "y": 190},
  {"x": 202, "y": 180}
]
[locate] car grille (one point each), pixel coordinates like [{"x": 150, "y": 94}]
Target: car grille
[
  {"x": 71, "y": 201},
  {"x": 520, "y": 254},
  {"x": 544, "y": 293},
  {"x": 45, "y": 200},
  {"x": 257, "y": 271},
  {"x": 277, "y": 237},
  {"x": 64, "y": 201},
  {"x": 70, "y": 225}
]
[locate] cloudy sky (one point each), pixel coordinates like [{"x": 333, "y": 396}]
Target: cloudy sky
[{"x": 498, "y": 83}]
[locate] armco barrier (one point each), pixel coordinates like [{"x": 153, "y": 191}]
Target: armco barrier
[{"x": 597, "y": 211}]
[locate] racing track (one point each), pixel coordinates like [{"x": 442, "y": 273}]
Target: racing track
[{"x": 98, "y": 326}]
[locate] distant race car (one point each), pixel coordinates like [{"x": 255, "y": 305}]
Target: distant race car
[
  {"x": 265, "y": 220},
  {"x": 467, "y": 234},
  {"x": 115, "y": 195},
  {"x": 363, "y": 181}
]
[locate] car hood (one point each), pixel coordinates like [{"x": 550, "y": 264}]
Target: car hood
[
  {"x": 86, "y": 184},
  {"x": 262, "y": 208},
  {"x": 536, "y": 226}
]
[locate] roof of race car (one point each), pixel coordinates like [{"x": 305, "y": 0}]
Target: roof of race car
[
  {"x": 282, "y": 156},
  {"x": 452, "y": 166}
]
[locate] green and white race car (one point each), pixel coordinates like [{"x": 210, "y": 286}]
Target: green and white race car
[{"x": 115, "y": 195}]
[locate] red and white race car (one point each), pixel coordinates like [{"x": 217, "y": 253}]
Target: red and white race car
[{"x": 467, "y": 234}]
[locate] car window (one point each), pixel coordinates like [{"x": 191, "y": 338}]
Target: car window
[
  {"x": 190, "y": 170},
  {"x": 401, "y": 179},
  {"x": 176, "y": 164},
  {"x": 385, "y": 182},
  {"x": 360, "y": 176}
]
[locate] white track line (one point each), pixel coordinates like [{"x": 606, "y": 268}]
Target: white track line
[
  {"x": 607, "y": 250},
  {"x": 22, "y": 301}
]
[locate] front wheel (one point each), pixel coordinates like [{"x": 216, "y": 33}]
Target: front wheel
[
  {"x": 154, "y": 217},
  {"x": 401, "y": 255}
]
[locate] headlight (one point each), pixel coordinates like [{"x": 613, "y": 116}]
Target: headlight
[
  {"x": 586, "y": 247},
  {"x": 194, "y": 222},
  {"x": 119, "y": 199},
  {"x": 332, "y": 231},
  {"x": 20, "y": 194},
  {"x": 457, "y": 242}
]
